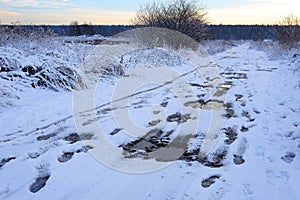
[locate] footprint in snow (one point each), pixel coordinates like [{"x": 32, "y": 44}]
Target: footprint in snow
[
  {"x": 206, "y": 183},
  {"x": 41, "y": 180},
  {"x": 74, "y": 137},
  {"x": 6, "y": 160},
  {"x": 289, "y": 157},
  {"x": 231, "y": 134},
  {"x": 115, "y": 131},
  {"x": 66, "y": 156},
  {"x": 39, "y": 183},
  {"x": 244, "y": 129},
  {"x": 238, "y": 160},
  {"x": 46, "y": 137},
  {"x": 238, "y": 156}
]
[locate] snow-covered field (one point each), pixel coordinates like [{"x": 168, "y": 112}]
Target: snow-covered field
[{"x": 46, "y": 151}]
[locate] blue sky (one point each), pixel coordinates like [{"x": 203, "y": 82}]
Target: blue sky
[{"x": 121, "y": 11}]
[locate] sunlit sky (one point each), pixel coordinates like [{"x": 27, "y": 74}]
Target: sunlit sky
[{"x": 122, "y": 11}]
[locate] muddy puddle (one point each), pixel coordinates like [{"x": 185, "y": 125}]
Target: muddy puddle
[
  {"x": 157, "y": 144},
  {"x": 267, "y": 70},
  {"x": 206, "y": 105},
  {"x": 223, "y": 88},
  {"x": 234, "y": 75}
]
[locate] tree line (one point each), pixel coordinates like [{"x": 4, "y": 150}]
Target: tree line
[{"x": 190, "y": 18}]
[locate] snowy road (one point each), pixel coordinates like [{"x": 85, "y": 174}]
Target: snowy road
[{"x": 256, "y": 157}]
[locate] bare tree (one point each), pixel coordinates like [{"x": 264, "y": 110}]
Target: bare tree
[
  {"x": 75, "y": 28},
  {"x": 288, "y": 30},
  {"x": 185, "y": 16}
]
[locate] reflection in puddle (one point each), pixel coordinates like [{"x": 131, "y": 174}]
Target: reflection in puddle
[
  {"x": 207, "y": 87},
  {"x": 212, "y": 79},
  {"x": 267, "y": 70},
  {"x": 225, "y": 86},
  {"x": 234, "y": 75},
  {"x": 157, "y": 145},
  {"x": 173, "y": 151},
  {"x": 206, "y": 105},
  {"x": 222, "y": 88}
]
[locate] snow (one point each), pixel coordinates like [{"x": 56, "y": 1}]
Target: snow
[{"x": 263, "y": 162}]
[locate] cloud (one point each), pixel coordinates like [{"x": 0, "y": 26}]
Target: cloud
[
  {"x": 101, "y": 16},
  {"x": 82, "y": 15},
  {"x": 8, "y": 13},
  {"x": 35, "y": 3},
  {"x": 268, "y": 12},
  {"x": 7, "y": 17}
]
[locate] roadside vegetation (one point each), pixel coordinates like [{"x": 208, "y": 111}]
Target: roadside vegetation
[{"x": 186, "y": 16}]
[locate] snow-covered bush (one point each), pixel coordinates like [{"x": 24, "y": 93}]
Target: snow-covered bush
[
  {"x": 23, "y": 34},
  {"x": 37, "y": 58}
]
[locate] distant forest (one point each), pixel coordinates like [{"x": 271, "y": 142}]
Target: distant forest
[{"x": 224, "y": 32}]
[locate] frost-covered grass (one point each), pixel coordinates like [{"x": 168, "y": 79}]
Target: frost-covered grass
[
  {"x": 39, "y": 59},
  {"x": 217, "y": 46}
]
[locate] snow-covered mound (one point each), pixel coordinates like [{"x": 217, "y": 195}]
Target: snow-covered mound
[
  {"x": 44, "y": 70},
  {"x": 38, "y": 59}
]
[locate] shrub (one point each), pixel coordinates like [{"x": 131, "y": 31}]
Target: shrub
[
  {"x": 185, "y": 16},
  {"x": 288, "y": 31}
]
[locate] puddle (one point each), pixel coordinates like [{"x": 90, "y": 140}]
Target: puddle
[
  {"x": 153, "y": 140},
  {"x": 157, "y": 145},
  {"x": 219, "y": 93},
  {"x": 207, "y": 87},
  {"x": 234, "y": 75},
  {"x": 212, "y": 79},
  {"x": 206, "y": 105},
  {"x": 173, "y": 151},
  {"x": 225, "y": 86},
  {"x": 266, "y": 70},
  {"x": 66, "y": 156},
  {"x": 222, "y": 89},
  {"x": 177, "y": 117}
]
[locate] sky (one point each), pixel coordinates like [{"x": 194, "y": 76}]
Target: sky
[{"x": 122, "y": 11}]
